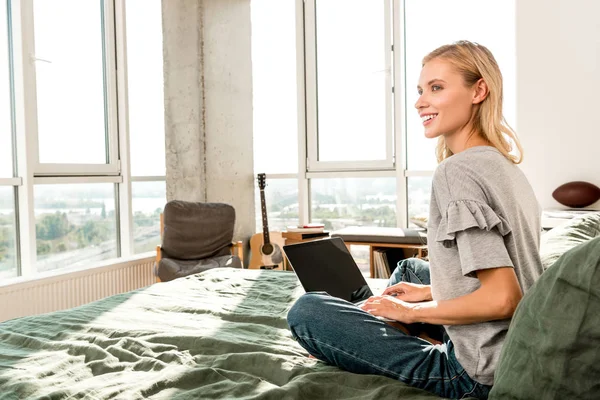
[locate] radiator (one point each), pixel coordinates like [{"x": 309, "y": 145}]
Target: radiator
[{"x": 62, "y": 291}]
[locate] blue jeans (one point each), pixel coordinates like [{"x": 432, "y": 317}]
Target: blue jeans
[{"x": 341, "y": 334}]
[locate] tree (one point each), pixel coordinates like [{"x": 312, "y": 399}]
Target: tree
[
  {"x": 92, "y": 232},
  {"x": 42, "y": 248},
  {"x": 4, "y": 242},
  {"x": 52, "y": 226}
]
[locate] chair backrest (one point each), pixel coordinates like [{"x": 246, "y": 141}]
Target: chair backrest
[{"x": 193, "y": 231}]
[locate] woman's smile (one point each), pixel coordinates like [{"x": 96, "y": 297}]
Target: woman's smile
[{"x": 428, "y": 118}]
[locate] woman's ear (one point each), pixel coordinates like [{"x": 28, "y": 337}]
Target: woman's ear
[{"x": 481, "y": 91}]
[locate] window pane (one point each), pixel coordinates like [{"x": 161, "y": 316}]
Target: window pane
[
  {"x": 145, "y": 84},
  {"x": 75, "y": 224},
  {"x": 70, "y": 82},
  {"x": 351, "y": 79},
  {"x": 274, "y": 86},
  {"x": 452, "y": 21},
  {"x": 342, "y": 202},
  {"x": 6, "y": 169},
  {"x": 8, "y": 251},
  {"x": 148, "y": 202},
  {"x": 281, "y": 196},
  {"x": 419, "y": 195}
]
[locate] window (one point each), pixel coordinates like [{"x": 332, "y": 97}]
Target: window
[
  {"x": 341, "y": 202},
  {"x": 452, "y": 21},
  {"x": 148, "y": 201},
  {"x": 275, "y": 90},
  {"x": 75, "y": 224},
  {"x": 71, "y": 85},
  {"x": 8, "y": 253},
  {"x": 323, "y": 92},
  {"x": 146, "y": 120},
  {"x": 419, "y": 196},
  {"x": 349, "y": 120},
  {"x": 6, "y": 168},
  {"x": 281, "y": 197},
  {"x": 145, "y": 87},
  {"x": 8, "y": 231},
  {"x": 65, "y": 95}
]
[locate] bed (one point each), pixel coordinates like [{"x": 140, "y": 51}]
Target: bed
[{"x": 219, "y": 334}]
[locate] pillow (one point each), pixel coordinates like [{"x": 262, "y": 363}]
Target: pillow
[
  {"x": 557, "y": 241},
  {"x": 553, "y": 344}
]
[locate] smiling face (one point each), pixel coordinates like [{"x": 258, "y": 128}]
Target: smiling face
[{"x": 446, "y": 105}]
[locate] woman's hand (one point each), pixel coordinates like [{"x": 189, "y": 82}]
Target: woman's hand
[
  {"x": 389, "y": 307},
  {"x": 410, "y": 292}
]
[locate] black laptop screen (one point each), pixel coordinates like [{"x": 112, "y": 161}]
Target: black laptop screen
[{"x": 326, "y": 265}]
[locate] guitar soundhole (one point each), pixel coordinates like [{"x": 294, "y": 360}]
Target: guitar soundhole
[{"x": 267, "y": 249}]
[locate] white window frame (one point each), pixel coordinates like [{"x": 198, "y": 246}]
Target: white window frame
[
  {"x": 313, "y": 163},
  {"x": 306, "y": 83},
  {"x": 10, "y": 181},
  {"x": 110, "y": 83},
  {"x": 30, "y": 172},
  {"x": 400, "y": 128},
  {"x": 125, "y": 188}
]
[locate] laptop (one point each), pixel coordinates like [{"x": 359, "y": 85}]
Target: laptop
[{"x": 326, "y": 265}]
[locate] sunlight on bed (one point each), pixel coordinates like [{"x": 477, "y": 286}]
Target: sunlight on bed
[{"x": 173, "y": 333}]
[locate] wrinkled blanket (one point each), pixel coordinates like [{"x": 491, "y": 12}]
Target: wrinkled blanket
[{"x": 219, "y": 334}]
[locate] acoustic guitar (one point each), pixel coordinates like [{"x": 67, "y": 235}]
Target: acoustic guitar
[{"x": 266, "y": 247}]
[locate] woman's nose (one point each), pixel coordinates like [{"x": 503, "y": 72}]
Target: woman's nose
[{"x": 419, "y": 103}]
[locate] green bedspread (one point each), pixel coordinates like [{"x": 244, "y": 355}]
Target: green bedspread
[{"x": 220, "y": 334}]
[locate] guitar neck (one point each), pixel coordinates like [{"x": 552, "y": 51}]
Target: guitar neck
[{"x": 265, "y": 223}]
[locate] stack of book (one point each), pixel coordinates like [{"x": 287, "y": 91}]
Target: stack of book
[
  {"x": 381, "y": 268},
  {"x": 385, "y": 262},
  {"x": 309, "y": 231}
]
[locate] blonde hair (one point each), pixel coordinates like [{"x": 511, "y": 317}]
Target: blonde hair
[{"x": 474, "y": 62}]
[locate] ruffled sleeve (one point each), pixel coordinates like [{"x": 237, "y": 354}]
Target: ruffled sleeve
[{"x": 464, "y": 214}]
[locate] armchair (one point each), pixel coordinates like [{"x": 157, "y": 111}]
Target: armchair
[{"x": 196, "y": 237}]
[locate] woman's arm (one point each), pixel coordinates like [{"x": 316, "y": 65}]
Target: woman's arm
[{"x": 497, "y": 298}]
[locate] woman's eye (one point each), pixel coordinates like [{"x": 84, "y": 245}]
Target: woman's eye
[
  {"x": 435, "y": 88},
  {"x": 420, "y": 92}
]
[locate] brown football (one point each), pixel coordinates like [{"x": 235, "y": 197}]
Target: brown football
[{"x": 577, "y": 194}]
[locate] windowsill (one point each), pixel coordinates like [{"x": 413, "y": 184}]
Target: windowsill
[{"x": 115, "y": 262}]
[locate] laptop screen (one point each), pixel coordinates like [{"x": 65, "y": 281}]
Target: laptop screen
[{"x": 326, "y": 265}]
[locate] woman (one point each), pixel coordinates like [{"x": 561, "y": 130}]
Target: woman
[{"x": 483, "y": 241}]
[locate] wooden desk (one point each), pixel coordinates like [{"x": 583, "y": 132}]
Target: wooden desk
[
  {"x": 410, "y": 250},
  {"x": 412, "y": 241}
]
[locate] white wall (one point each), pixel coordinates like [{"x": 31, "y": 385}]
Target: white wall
[{"x": 558, "y": 93}]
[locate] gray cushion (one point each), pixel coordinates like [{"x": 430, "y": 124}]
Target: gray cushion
[
  {"x": 558, "y": 240},
  {"x": 382, "y": 235},
  {"x": 193, "y": 231},
  {"x": 169, "y": 268}
]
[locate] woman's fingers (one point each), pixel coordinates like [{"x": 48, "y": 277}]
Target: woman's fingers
[
  {"x": 376, "y": 304},
  {"x": 396, "y": 289}
]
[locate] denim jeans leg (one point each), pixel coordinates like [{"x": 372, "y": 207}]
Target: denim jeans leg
[
  {"x": 413, "y": 270},
  {"x": 341, "y": 334}
]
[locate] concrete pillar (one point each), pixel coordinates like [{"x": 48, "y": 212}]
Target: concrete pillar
[
  {"x": 184, "y": 130},
  {"x": 208, "y": 105}
]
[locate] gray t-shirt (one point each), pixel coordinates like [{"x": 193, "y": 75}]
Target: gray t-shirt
[{"x": 483, "y": 214}]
